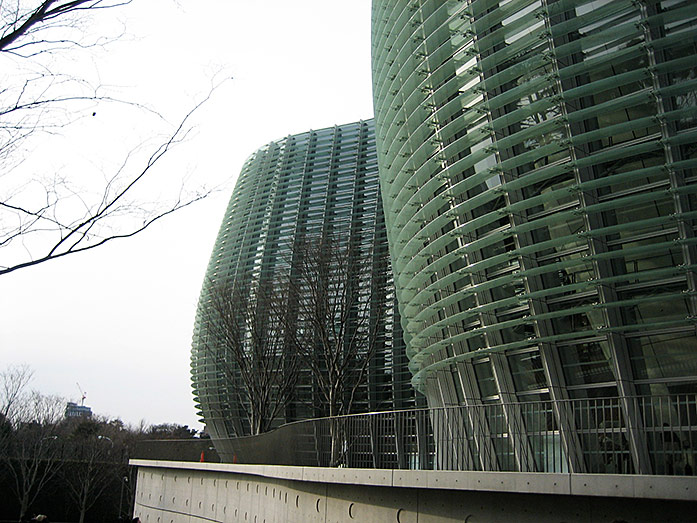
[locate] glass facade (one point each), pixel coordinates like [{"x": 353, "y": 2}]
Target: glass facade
[
  {"x": 537, "y": 165},
  {"x": 317, "y": 184}
]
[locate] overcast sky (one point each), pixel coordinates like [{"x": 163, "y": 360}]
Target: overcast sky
[{"x": 119, "y": 320}]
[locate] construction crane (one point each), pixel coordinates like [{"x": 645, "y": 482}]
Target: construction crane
[{"x": 84, "y": 394}]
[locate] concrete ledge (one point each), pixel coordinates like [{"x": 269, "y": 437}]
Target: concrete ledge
[
  {"x": 634, "y": 486},
  {"x": 490, "y": 481},
  {"x": 603, "y": 485},
  {"x": 373, "y": 477}
]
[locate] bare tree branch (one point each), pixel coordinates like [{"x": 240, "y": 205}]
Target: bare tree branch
[
  {"x": 46, "y": 219},
  {"x": 26, "y": 20}
]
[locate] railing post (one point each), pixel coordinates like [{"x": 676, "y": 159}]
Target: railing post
[
  {"x": 399, "y": 421},
  {"x": 374, "y": 428},
  {"x": 480, "y": 424},
  {"x": 568, "y": 432},
  {"x": 424, "y": 439},
  {"x": 637, "y": 436}
]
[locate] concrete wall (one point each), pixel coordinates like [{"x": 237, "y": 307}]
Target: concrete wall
[{"x": 171, "y": 492}]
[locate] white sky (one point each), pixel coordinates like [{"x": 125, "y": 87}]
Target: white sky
[{"x": 118, "y": 320}]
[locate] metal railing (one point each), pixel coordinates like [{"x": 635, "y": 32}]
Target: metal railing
[
  {"x": 638, "y": 435},
  {"x": 191, "y": 449}
]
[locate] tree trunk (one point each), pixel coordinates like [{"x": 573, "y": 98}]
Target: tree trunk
[
  {"x": 23, "y": 506},
  {"x": 335, "y": 434},
  {"x": 336, "y": 446},
  {"x": 86, "y": 487}
]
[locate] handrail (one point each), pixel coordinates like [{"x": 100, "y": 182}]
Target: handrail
[{"x": 591, "y": 435}]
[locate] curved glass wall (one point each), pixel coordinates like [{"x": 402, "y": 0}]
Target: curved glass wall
[
  {"x": 312, "y": 184},
  {"x": 537, "y": 163}
]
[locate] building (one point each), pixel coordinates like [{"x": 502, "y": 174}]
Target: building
[
  {"x": 318, "y": 184},
  {"x": 73, "y": 410},
  {"x": 537, "y": 174},
  {"x": 537, "y": 164}
]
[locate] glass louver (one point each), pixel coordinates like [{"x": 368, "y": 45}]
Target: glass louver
[
  {"x": 310, "y": 184},
  {"x": 537, "y": 163}
]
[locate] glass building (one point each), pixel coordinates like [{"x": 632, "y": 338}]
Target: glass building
[
  {"x": 316, "y": 184},
  {"x": 537, "y": 164}
]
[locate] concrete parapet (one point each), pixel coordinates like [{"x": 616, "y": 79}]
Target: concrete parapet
[{"x": 179, "y": 492}]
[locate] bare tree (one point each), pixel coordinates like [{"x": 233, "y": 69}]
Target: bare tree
[
  {"x": 13, "y": 383},
  {"x": 48, "y": 216},
  {"x": 245, "y": 335},
  {"x": 335, "y": 319},
  {"x": 170, "y": 431},
  {"x": 31, "y": 452},
  {"x": 85, "y": 459},
  {"x": 96, "y": 463},
  {"x": 335, "y": 325}
]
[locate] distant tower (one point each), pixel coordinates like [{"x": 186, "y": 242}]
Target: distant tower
[{"x": 73, "y": 410}]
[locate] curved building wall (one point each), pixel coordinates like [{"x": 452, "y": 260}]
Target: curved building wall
[
  {"x": 537, "y": 170},
  {"x": 312, "y": 184}
]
